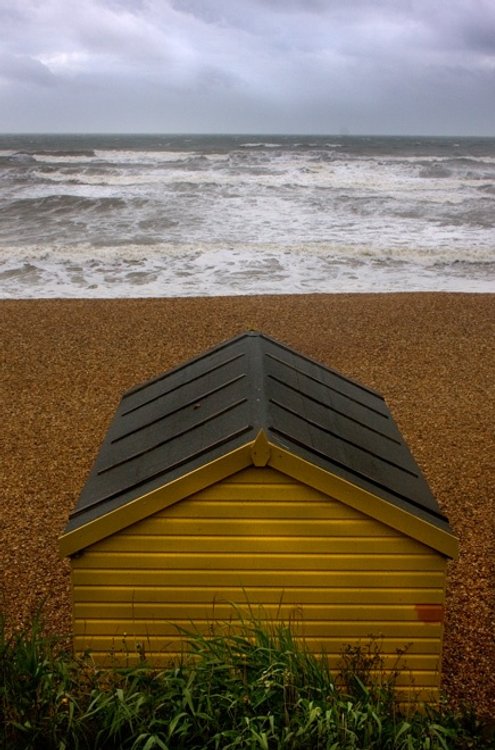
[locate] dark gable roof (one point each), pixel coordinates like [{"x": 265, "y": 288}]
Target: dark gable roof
[{"x": 221, "y": 400}]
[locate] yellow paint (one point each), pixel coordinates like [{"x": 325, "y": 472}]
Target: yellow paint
[
  {"x": 404, "y": 632},
  {"x": 144, "y": 506},
  {"x": 264, "y": 595},
  {"x": 193, "y": 561},
  {"x": 260, "y": 453},
  {"x": 361, "y": 580},
  {"x": 424, "y": 651},
  {"x": 336, "y": 573},
  {"x": 357, "y": 498},
  {"x": 260, "y": 450}
]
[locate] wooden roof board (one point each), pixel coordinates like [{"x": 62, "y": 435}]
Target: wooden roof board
[
  {"x": 222, "y": 399},
  {"x": 345, "y": 427}
]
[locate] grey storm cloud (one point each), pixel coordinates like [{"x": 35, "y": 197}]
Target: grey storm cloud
[
  {"x": 23, "y": 69},
  {"x": 248, "y": 65}
]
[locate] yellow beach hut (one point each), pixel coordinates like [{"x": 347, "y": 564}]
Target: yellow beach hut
[{"x": 254, "y": 474}]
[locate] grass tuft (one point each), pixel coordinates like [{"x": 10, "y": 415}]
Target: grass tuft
[{"x": 248, "y": 686}]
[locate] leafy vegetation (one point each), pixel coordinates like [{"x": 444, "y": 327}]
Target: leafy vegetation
[{"x": 248, "y": 688}]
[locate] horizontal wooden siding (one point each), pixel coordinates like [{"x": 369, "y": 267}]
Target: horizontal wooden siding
[{"x": 263, "y": 542}]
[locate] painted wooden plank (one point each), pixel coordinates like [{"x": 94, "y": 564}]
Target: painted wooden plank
[
  {"x": 279, "y": 488},
  {"x": 247, "y": 507},
  {"x": 260, "y": 475},
  {"x": 265, "y": 527},
  {"x": 189, "y": 610},
  {"x": 264, "y": 595},
  {"x": 301, "y": 578},
  {"x": 390, "y": 648},
  {"x": 251, "y": 561},
  {"x": 218, "y": 543},
  {"x": 402, "y": 631},
  {"x": 417, "y": 650},
  {"x": 256, "y": 545}
]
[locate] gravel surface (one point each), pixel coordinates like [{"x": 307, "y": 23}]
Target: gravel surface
[{"x": 66, "y": 363}]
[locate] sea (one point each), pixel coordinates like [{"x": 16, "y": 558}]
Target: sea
[{"x": 201, "y": 215}]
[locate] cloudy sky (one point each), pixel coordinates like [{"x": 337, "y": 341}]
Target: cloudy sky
[{"x": 265, "y": 66}]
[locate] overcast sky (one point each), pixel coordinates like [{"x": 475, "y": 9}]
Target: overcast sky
[{"x": 248, "y": 66}]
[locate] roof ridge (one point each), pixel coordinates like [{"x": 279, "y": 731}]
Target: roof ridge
[
  {"x": 220, "y": 401},
  {"x": 257, "y": 374}
]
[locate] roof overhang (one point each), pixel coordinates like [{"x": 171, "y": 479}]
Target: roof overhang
[{"x": 259, "y": 452}]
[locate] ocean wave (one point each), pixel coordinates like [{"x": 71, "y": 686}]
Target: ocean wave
[
  {"x": 147, "y": 158},
  {"x": 60, "y": 204},
  {"x": 65, "y": 153},
  {"x": 260, "y": 145},
  {"x": 488, "y": 188},
  {"x": 435, "y": 170},
  {"x": 252, "y": 253},
  {"x": 222, "y": 271},
  {"x": 205, "y": 214},
  {"x": 20, "y": 158}
]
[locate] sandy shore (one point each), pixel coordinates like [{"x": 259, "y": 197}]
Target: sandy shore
[{"x": 65, "y": 364}]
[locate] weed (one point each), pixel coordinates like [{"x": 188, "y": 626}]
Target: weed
[{"x": 248, "y": 686}]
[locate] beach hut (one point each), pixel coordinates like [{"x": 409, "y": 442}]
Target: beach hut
[{"x": 252, "y": 474}]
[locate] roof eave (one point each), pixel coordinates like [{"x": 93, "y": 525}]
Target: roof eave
[
  {"x": 407, "y": 522},
  {"x": 74, "y": 541},
  {"x": 260, "y": 452}
]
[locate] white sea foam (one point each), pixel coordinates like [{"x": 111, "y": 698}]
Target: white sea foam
[
  {"x": 123, "y": 216},
  {"x": 205, "y": 271}
]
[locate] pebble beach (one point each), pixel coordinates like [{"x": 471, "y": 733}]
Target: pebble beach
[{"x": 66, "y": 363}]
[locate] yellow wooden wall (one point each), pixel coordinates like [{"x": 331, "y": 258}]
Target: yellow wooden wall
[{"x": 263, "y": 539}]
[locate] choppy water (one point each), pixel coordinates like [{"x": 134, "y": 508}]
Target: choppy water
[{"x": 128, "y": 216}]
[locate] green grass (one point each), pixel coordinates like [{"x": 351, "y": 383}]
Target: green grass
[{"x": 253, "y": 686}]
